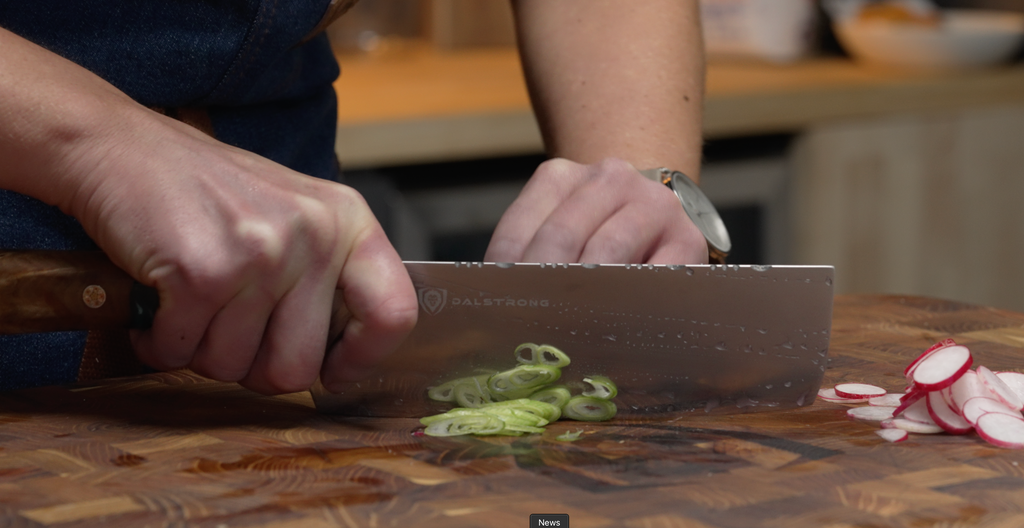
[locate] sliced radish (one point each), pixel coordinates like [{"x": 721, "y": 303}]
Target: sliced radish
[
  {"x": 871, "y": 414},
  {"x": 889, "y": 400},
  {"x": 1001, "y": 430},
  {"x": 974, "y": 408},
  {"x": 965, "y": 388},
  {"x": 887, "y": 424},
  {"x": 1014, "y": 380},
  {"x": 830, "y": 395},
  {"x": 909, "y": 399},
  {"x": 1001, "y": 390},
  {"x": 912, "y": 426},
  {"x": 892, "y": 435},
  {"x": 941, "y": 344},
  {"x": 918, "y": 412},
  {"x": 947, "y": 395},
  {"x": 944, "y": 416},
  {"x": 858, "y": 391},
  {"x": 942, "y": 367}
]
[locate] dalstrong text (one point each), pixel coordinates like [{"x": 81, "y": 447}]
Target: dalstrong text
[{"x": 508, "y": 301}]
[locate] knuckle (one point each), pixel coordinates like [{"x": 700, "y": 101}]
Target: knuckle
[
  {"x": 557, "y": 166},
  {"x": 397, "y": 315},
  {"x": 558, "y": 236}
]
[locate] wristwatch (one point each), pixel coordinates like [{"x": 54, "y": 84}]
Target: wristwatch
[{"x": 698, "y": 208}]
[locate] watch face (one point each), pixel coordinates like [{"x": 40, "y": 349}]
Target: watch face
[{"x": 701, "y": 212}]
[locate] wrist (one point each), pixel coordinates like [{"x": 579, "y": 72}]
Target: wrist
[{"x": 50, "y": 111}]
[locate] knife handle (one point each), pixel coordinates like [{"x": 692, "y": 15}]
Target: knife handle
[{"x": 49, "y": 291}]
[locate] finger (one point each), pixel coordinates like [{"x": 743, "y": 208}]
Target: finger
[
  {"x": 553, "y": 181},
  {"x": 691, "y": 252},
  {"x": 233, "y": 338},
  {"x": 178, "y": 327},
  {"x": 683, "y": 244},
  {"x": 627, "y": 237},
  {"x": 380, "y": 297},
  {"x": 568, "y": 229},
  {"x": 295, "y": 340}
]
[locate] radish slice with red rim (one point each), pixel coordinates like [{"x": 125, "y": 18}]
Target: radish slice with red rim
[
  {"x": 1014, "y": 380},
  {"x": 997, "y": 387},
  {"x": 918, "y": 412},
  {"x": 871, "y": 414},
  {"x": 965, "y": 388},
  {"x": 944, "y": 416},
  {"x": 909, "y": 399},
  {"x": 908, "y": 371},
  {"x": 974, "y": 408},
  {"x": 912, "y": 426},
  {"x": 1001, "y": 430},
  {"x": 889, "y": 400},
  {"x": 829, "y": 395},
  {"x": 942, "y": 367},
  {"x": 858, "y": 391},
  {"x": 892, "y": 435}
]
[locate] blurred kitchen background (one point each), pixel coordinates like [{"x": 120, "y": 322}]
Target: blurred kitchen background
[{"x": 885, "y": 138}]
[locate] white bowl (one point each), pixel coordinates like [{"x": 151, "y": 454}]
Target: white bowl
[{"x": 964, "y": 39}]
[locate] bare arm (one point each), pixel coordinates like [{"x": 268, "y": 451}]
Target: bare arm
[
  {"x": 617, "y": 86},
  {"x": 246, "y": 254},
  {"x": 616, "y": 78}
]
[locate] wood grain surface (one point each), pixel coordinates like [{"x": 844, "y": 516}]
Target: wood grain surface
[{"x": 175, "y": 449}]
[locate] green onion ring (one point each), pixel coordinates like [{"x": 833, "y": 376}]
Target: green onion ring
[
  {"x": 589, "y": 409},
  {"x": 551, "y": 356},
  {"x": 600, "y": 387}
]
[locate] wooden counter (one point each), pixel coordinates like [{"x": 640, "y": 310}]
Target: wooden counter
[
  {"x": 421, "y": 105},
  {"x": 173, "y": 449}
]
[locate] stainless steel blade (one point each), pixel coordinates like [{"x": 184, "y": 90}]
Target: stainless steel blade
[{"x": 673, "y": 338}]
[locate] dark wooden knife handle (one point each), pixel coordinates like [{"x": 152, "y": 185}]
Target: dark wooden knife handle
[{"x": 48, "y": 291}]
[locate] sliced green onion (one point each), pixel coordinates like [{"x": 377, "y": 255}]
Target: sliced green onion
[
  {"x": 461, "y": 425},
  {"x": 569, "y": 436},
  {"x": 589, "y": 409},
  {"x": 472, "y": 394},
  {"x": 516, "y": 417},
  {"x": 526, "y": 354},
  {"x": 523, "y": 377},
  {"x": 544, "y": 410},
  {"x": 522, "y": 428},
  {"x": 600, "y": 387},
  {"x": 446, "y": 391},
  {"x": 454, "y": 413},
  {"x": 557, "y": 396},
  {"x": 443, "y": 392},
  {"x": 534, "y": 376},
  {"x": 551, "y": 356}
]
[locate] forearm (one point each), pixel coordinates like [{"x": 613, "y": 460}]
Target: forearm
[
  {"x": 50, "y": 109},
  {"x": 616, "y": 78}
]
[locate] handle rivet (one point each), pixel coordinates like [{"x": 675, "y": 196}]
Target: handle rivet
[{"x": 94, "y": 296}]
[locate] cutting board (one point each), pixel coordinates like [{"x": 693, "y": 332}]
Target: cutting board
[{"x": 176, "y": 448}]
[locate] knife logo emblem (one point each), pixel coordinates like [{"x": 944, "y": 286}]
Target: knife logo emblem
[{"x": 432, "y": 300}]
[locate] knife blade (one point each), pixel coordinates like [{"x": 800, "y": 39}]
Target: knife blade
[{"x": 673, "y": 338}]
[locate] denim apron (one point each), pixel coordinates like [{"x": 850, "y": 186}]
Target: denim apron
[{"x": 249, "y": 67}]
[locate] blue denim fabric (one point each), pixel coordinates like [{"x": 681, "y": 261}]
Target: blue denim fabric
[{"x": 265, "y": 88}]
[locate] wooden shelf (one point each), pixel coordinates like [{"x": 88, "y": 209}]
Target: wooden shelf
[{"x": 421, "y": 105}]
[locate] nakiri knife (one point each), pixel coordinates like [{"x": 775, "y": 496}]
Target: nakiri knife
[{"x": 674, "y": 339}]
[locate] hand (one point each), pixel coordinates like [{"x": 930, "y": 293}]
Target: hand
[
  {"x": 246, "y": 255},
  {"x": 602, "y": 213}
]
